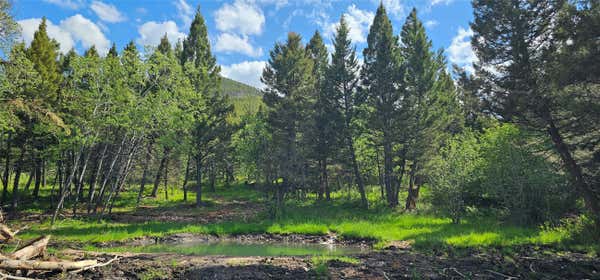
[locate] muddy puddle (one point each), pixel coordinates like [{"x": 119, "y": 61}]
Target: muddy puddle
[{"x": 244, "y": 249}]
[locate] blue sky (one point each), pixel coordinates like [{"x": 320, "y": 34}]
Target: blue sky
[{"x": 241, "y": 31}]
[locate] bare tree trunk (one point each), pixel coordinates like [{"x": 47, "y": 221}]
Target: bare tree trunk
[
  {"x": 213, "y": 176},
  {"x": 39, "y": 177},
  {"x": 107, "y": 175},
  {"x": 18, "y": 169},
  {"x": 186, "y": 178},
  {"x": 94, "y": 178},
  {"x": 6, "y": 174},
  {"x": 388, "y": 170},
  {"x": 68, "y": 182},
  {"x": 161, "y": 168},
  {"x": 589, "y": 197},
  {"x": 80, "y": 180},
  {"x": 413, "y": 189},
  {"x": 145, "y": 172},
  {"x": 357, "y": 176},
  {"x": 122, "y": 178},
  {"x": 166, "y": 180},
  {"x": 401, "y": 174},
  {"x": 199, "y": 180}
]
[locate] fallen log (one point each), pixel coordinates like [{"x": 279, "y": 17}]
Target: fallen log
[
  {"x": 32, "y": 249},
  {"x": 45, "y": 265},
  {"x": 5, "y": 233}
]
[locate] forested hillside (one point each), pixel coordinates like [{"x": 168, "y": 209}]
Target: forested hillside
[
  {"x": 237, "y": 89},
  {"x": 388, "y": 148}
]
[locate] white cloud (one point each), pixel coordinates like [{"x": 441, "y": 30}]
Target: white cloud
[
  {"x": 240, "y": 17},
  {"x": 151, "y": 32},
  {"x": 231, "y": 43},
  {"x": 248, "y": 72},
  {"x": 107, "y": 12},
  {"x": 141, "y": 10},
  {"x": 431, "y": 23},
  {"x": 86, "y": 32},
  {"x": 460, "y": 51},
  {"x": 278, "y": 3},
  {"x": 185, "y": 12},
  {"x": 69, "y": 4},
  {"x": 72, "y": 30},
  {"x": 438, "y": 2},
  {"x": 29, "y": 26},
  {"x": 358, "y": 21}
]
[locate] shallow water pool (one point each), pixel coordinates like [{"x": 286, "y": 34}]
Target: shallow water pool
[{"x": 237, "y": 249}]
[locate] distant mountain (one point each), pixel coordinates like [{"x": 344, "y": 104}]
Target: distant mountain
[{"x": 237, "y": 89}]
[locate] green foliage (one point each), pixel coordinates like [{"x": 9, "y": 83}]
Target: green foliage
[
  {"x": 10, "y": 28},
  {"x": 452, "y": 173},
  {"x": 43, "y": 53},
  {"x": 498, "y": 169},
  {"x": 525, "y": 184}
]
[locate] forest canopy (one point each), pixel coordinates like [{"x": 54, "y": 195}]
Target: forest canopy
[{"x": 516, "y": 139}]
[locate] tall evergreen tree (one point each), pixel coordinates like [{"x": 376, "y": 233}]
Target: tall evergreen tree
[
  {"x": 379, "y": 79},
  {"x": 164, "y": 46},
  {"x": 43, "y": 53},
  {"x": 321, "y": 133},
  {"x": 289, "y": 81},
  {"x": 211, "y": 107},
  {"x": 112, "y": 52},
  {"x": 343, "y": 81},
  {"x": 516, "y": 43},
  {"x": 10, "y": 28}
]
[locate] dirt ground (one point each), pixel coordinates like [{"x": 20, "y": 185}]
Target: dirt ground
[{"x": 391, "y": 263}]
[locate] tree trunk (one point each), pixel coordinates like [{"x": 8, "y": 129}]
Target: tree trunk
[
  {"x": 359, "y": 181},
  {"x": 18, "y": 169},
  {"x": 199, "y": 180},
  {"x": 94, "y": 178},
  {"x": 400, "y": 175},
  {"x": 161, "y": 168},
  {"x": 29, "y": 180},
  {"x": 80, "y": 180},
  {"x": 388, "y": 170},
  {"x": 166, "y": 179},
  {"x": 413, "y": 189},
  {"x": 145, "y": 172},
  {"x": 589, "y": 197},
  {"x": 68, "y": 182},
  {"x": 186, "y": 178},
  {"x": 213, "y": 176},
  {"x": 6, "y": 174},
  {"x": 38, "y": 177}
]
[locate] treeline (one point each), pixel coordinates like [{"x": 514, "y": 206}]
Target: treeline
[
  {"x": 89, "y": 125},
  {"x": 518, "y": 137},
  {"x": 399, "y": 120}
]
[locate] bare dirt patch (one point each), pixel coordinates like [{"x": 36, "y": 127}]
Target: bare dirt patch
[{"x": 525, "y": 263}]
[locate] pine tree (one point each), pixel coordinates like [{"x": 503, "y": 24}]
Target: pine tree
[
  {"x": 211, "y": 107},
  {"x": 10, "y": 28},
  {"x": 112, "y": 52},
  {"x": 320, "y": 132},
  {"x": 342, "y": 78},
  {"x": 43, "y": 53},
  {"x": 91, "y": 52},
  {"x": 164, "y": 46},
  {"x": 520, "y": 83},
  {"x": 379, "y": 79},
  {"x": 289, "y": 81}
]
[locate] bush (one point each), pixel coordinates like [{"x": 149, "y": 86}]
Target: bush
[
  {"x": 525, "y": 185},
  {"x": 500, "y": 171},
  {"x": 451, "y": 174}
]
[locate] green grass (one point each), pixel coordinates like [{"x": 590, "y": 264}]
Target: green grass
[{"x": 342, "y": 216}]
